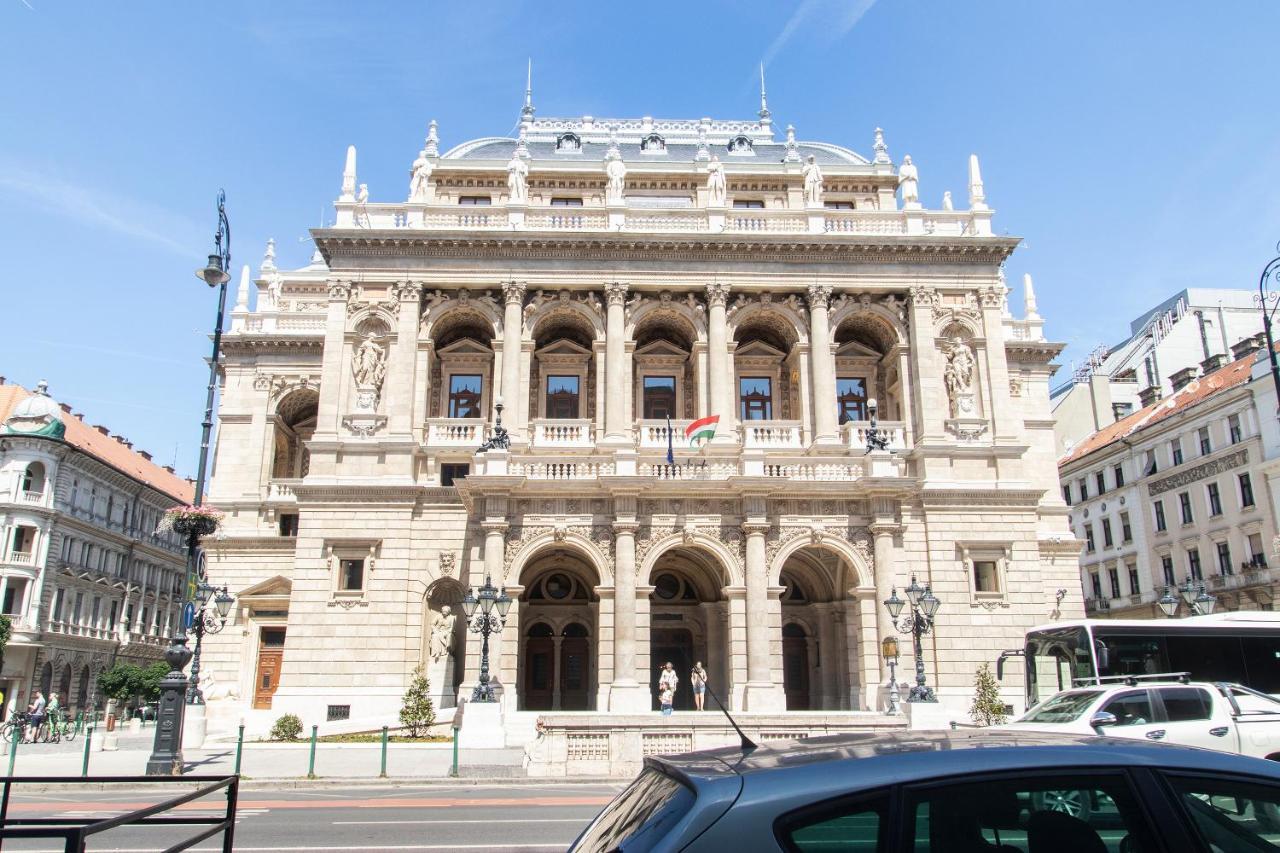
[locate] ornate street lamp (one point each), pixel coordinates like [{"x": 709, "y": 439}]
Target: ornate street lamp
[
  {"x": 1193, "y": 594},
  {"x": 203, "y": 623},
  {"x": 889, "y": 649},
  {"x": 499, "y": 439},
  {"x": 479, "y": 608},
  {"x": 876, "y": 440},
  {"x": 917, "y": 623},
  {"x": 1264, "y": 298}
]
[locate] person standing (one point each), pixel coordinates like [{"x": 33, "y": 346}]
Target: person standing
[
  {"x": 53, "y": 710},
  {"x": 36, "y": 708},
  {"x": 698, "y": 681},
  {"x": 667, "y": 684}
]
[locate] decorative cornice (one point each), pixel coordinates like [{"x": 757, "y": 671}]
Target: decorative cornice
[{"x": 1206, "y": 469}]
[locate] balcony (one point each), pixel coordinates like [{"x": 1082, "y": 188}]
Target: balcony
[
  {"x": 1250, "y": 577},
  {"x": 652, "y": 434},
  {"x": 455, "y": 432},
  {"x": 566, "y": 434},
  {"x": 582, "y": 469},
  {"x": 771, "y": 435},
  {"x": 855, "y": 434},
  {"x": 281, "y": 491},
  {"x": 21, "y": 558},
  {"x": 34, "y": 498}
]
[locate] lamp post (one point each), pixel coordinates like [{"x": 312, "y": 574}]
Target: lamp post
[
  {"x": 500, "y": 439},
  {"x": 1193, "y": 594},
  {"x": 486, "y": 600},
  {"x": 924, "y": 604},
  {"x": 889, "y": 649},
  {"x": 166, "y": 754},
  {"x": 203, "y": 623},
  {"x": 876, "y": 440},
  {"x": 1265, "y": 296}
]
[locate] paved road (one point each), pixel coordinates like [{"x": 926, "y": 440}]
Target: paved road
[{"x": 525, "y": 818}]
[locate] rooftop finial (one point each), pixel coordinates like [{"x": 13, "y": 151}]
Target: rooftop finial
[
  {"x": 977, "y": 195},
  {"x": 793, "y": 149},
  {"x": 882, "y": 150},
  {"x": 432, "y": 148},
  {"x": 765, "y": 116},
  {"x": 269, "y": 256},
  {"x": 349, "y": 176},
  {"x": 1029, "y": 304},
  {"x": 526, "y": 113},
  {"x": 242, "y": 292}
]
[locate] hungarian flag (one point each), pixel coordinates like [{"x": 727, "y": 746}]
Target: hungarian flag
[{"x": 702, "y": 430}]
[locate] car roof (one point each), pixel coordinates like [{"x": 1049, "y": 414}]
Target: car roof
[{"x": 874, "y": 759}]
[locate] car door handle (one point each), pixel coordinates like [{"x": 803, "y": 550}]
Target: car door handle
[
  {"x": 1220, "y": 731},
  {"x": 1155, "y": 735}
]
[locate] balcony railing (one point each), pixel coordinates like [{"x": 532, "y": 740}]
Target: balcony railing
[
  {"x": 22, "y": 558},
  {"x": 584, "y": 469},
  {"x": 569, "y": 434},
  {"x": 652, "y": 434},
  {"x": 282, "y": 490},
  {"x": 771, "y": 434},
  {"x": 855, "y": 434},
  {"x": 32, "y": 497},
  {"x": 842, "y": 472},
  {"x": 775, "y": 222},
  {"x": 455, "y": 432}
]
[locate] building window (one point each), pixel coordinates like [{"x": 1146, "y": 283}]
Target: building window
[
  {"x": 1066, "y": 493},
  {"x": 1233, "y": 428},
  {"x": 1166, "y": 568},
  {"x": 1224, "y": 558},
  {"x": 1101, "y": 479},
  {"x": 986, "y": 577},
  {"x": 568, "y": 142},
  {"x": 1193, "y": 564},
  {"x": 13, "y": 596},
  {"x": 453, "y": 471},
  {"x": 1107, "y": 541},
  {"x": 566, "y": 202},
  {"x": 1257, "y": 559},
  {"x": 288, "y": 524},
  {"x": 1161, "y": 525},
  {"x": 1184, "y": 501},
  {"x": 335, "y": 713},
  {"x": 475, "y": 200},
  {"x": 851, "y": 398},
  {"x": 1119, "y": 474},
  {"x": 740, "y": 145},
  {"x": 1119, "y": 411},
  {"x": 562, "y": 397},
  {"x": 1175, "y": 448},
  {"x": 464, "y": 395},
  {"x": 1126, "y": 529},
  {"x": 756, "y": 398},
  {"x": 351, "y": 575},
  {"x": 1134, "y": 586},
  {"x": 1088, "y": 538},
  {"x": 1113, "y": 575},
  {"x": 659, "y": 397},
  {"x": 1096, "y": 582},
  {"x": 1246, "y": 491},
  {"x": 1215, "y": 500},
  {"x": 749, "y": 203},
  {"x": 1206, "y": 446},
  {"x": 838, "y": 205},
  {"x": 1151, "y": 466},
  {"x": 1084, "y": 489}
]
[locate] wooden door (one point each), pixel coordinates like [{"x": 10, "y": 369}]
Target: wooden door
[
  {"x": 539, "y": 658},
  {"x": 795, "y": 667},
  {"x": 574, "y": 684},
  {"x": 270, "y": 659},
  {"x": 675, "y": 645}
]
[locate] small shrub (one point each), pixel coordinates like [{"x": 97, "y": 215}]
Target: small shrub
[
  {"x": 416, "y": 711},
  {"x": 287, "y": 727},
  {"x": 987, "y": 708}
]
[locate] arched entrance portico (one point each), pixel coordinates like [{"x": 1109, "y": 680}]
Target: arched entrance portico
[
  {"x": 558, "y": 648},
  {"x": 688, "y": 622}
]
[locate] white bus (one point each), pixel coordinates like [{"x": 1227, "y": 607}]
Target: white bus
[{"x": 1241, "y": 647}]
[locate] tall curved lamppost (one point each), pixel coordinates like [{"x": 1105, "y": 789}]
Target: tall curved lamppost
[{"x": 917, "y": 623}]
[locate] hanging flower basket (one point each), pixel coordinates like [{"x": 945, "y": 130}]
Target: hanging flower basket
[{"x": 188, "y": 520}]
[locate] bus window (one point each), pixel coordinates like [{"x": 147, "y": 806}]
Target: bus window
[
  {"x": 1054, "y": 660},
  {"x": 1209, "y": 658},
  {"x": 1130, "y": 655}
]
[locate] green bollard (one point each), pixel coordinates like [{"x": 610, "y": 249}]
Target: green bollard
[
  {"x": 239, "y": 747},
  {"x": 453, "y": 771},
  {"x": 88, "y": 738},
  {"x": 383, "y": 774},
  {"x": 13, "y": 749},
  {"x": 311, "y": 765}
]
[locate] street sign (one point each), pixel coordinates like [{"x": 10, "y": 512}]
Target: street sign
[{"x": 188, "y": 616}]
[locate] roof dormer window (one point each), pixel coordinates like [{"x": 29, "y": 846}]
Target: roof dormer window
[
  {"x": 568, "y": 143},
  {"x": 653, "y": 144},
  {"x": 741, "y": 145}
]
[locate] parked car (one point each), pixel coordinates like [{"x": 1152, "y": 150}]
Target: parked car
[
  {"x": 996, "y": 790},
  {"x": 1225, "y": 717}
]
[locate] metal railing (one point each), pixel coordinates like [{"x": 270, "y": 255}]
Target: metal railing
[{"x": 75, "y": 832}]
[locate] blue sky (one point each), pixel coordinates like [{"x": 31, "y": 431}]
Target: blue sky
[{"x": 1135, "y": 146}]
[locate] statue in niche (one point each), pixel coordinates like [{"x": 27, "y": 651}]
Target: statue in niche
[
  {"x": 418, "y": 177},
  {"x": 909, "y": 181},
  {"x": 717, "y": 186},
  {"x": 369, "y": 367},
  {"x": 615, "y": 172},
  {"x": 517, "y": 180},
  {"x": 812, "y": 174},
  {"x": 440, "y": 643},
  {"x": 958, "y": 376}
]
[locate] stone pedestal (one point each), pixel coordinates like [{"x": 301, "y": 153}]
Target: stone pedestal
[
  {"x": 194, "y": 728},
  {"x": 440, "y": 677},
  {"x": 516, "y": 214},
  {"x": 482, "y": 726},
  {"x": 633, "y": 698},
  {"x": 880, "y": 463},
  {"x": 764, "y": 698},
  {"x": 617, "y": 215}
]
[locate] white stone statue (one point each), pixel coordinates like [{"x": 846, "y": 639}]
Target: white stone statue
[
  {"x": 958, "y": 376},
  {"x": 812, "y": 182},
  {"x": 717, "y": 186},
  {"x": 369, "y": 365},
  {"x": 362, "y": 211},
  {"x": 441, "y": 640},
  {"x": 615, "y": 172},
  {"x": 909, "y": 181},
  {"x": 947, "y": 203},
  {"x": 275, "y": 284},
  {"x": 418, "y": 178},
  {"x": 517, "y": 180}
]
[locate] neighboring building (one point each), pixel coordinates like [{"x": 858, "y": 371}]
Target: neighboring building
[
  {"x": 1179, "y": 489},
  {"x": 1192, "y": 333},
  {"x": 602, "y": 279},
  {"x": 84, "y": 577}
]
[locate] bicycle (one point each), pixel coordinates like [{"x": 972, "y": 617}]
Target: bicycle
[
  {"x": 59, "y": 728},
  {"x": 17, "y": 722}
]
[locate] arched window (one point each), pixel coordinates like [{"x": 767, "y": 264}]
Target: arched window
[
  {"x": 33, "y": 480},
  {"x": 740, "y": 145},
  {"x": 568, "y": 142},
  {"x": 653, "y": 144}
]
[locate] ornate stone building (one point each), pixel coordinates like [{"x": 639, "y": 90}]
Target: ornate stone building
[
  {"x": 606, "y": 281},
  {"x": 85, "y": 579}
]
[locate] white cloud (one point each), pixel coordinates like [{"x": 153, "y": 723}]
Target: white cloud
[{"x": 831, "y": 19}]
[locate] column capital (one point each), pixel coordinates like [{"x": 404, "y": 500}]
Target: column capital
[
  {"x": 490, "y": 527},
  {"x": 717, "y": 294},
  {"x": 992, "y": 297},
  {"x": 513, "y": 292},
  {"x": 884, "y": 528},
  {"x": 819, "y": 297},
  {"x": 628, "y": 528},
  {"x": 924, "y": 297},
  {"x": 339, "y": 290},
  {"x": 407, "y": 291},
  {"x": 756, "y": 528},
  {"x": 615, "y": 293}
]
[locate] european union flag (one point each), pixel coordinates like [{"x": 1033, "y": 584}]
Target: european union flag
[{"x": 671, "y": 454}]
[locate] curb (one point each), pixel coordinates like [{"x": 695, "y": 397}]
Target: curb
[{"x": 259, "y": 784}]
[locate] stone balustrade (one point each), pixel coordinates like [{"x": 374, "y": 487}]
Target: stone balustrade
[
  {"x": 281, "y": 491},
  {"x": 454, "y": 432},
  {"x": 855, "y": 434},
  {"x": 772, "y": 434},
  {"x": 551, "y": 433},
  {"x": 584, "y": 469},
  {"x": 652, "y": 434}
]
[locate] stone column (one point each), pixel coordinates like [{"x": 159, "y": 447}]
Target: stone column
[
  {"x": 930, "y": 405},
  {"x": 718, "y": 364},
  {"x": 331, "y": 367},
  {"x": 762, "y": 694},
  {"x": 512, "y": 338},
  {"x": 494, "y": 546},
  {"x": 882, "y": 532},
  {"x": 399, "y": 387},
  {"x": 615, "y": 424},
  {"x": 626, "y": 695},
  {"x": 1005, "y": 425},
  {"x": 824, "y": 367}
]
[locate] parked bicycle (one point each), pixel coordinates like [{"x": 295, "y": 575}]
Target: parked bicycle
[{"x": 16, "y": 726}]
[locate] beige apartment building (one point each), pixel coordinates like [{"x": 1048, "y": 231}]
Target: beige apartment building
[{"x": 609, "y": 283}]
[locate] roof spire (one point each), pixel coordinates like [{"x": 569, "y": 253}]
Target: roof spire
[
  {"x": 526, "y": 112},
  {"x": 242, "y": 292},
  {"x": 765, "y": 116}
]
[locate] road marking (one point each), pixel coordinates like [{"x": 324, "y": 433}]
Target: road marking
[{"x": 456, "y": 820}]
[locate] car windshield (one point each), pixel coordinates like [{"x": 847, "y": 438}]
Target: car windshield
[
  {"x": 639, "y": 818},
  {"x": 1063, "y": 708}
]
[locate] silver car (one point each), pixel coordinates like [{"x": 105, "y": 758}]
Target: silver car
[{"x": 952, "y": 792}]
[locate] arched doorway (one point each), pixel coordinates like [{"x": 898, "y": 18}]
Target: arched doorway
[
  {"x": 557, "y": 669},
  {"x": 687, "y": 623},
  {"x": 82, "y": 690},
  {"x": 64, "y": 685},
  {"x": 295, "y": 421},
  {"x": 795, "y": 666},
  {"x": 820, "y": 671},
  {"x": 46, "y": 679}
]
